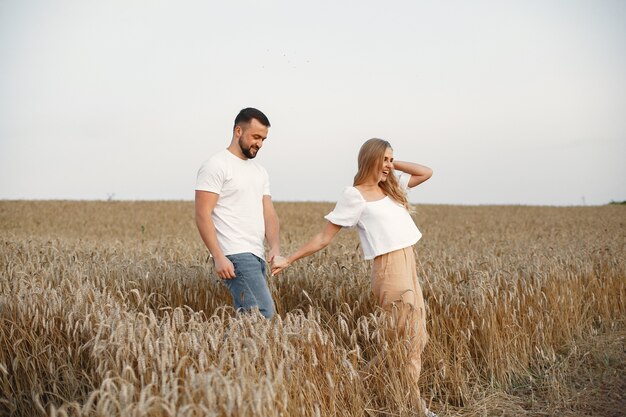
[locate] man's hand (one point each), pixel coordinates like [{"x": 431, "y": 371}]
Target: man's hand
[
  {"x": 273, "y": 254},
  {"x": 278, "y": 264},
  {"x": 224, "y": 268}
]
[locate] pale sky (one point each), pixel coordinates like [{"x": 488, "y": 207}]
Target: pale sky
[{"x": 510, "y": 102}]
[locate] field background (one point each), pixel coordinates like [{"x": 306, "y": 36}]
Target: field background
[{"x": 111, "y": 308}]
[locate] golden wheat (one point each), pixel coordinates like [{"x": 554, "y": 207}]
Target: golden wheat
[{"x": 111, "y": 308}]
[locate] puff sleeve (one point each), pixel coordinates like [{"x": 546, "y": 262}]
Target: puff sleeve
[
  {"x": 403, "y": 180},
  {"x": 348, "y": 209}
]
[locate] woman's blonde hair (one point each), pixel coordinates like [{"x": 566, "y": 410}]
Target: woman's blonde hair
[{"x": 370, "y": 162}]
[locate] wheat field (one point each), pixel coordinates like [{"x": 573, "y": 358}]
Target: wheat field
[{"x": 111, "y": 308}]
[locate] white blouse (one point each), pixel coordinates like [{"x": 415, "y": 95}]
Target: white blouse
[{"x": 383, "y": 225}]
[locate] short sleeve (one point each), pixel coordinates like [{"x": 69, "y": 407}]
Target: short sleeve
[
  {"x": 266, "y": 183},
  {"x": 403, "y": 180},
  {"x": 211, "y": 176},
  {"x": 348, "y": 209}
]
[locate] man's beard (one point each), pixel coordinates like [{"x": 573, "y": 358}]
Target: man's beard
[{"x": 248, "y": 152}]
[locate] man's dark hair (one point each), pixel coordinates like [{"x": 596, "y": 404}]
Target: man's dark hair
[{"x": 246, "y": 115}]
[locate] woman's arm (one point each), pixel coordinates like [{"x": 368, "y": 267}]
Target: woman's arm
[
  {"x": 317, "y": 242},
  {"x": 419, "y": 173}
]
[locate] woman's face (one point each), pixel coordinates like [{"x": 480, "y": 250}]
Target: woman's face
[{"x": 387, "y": 165}]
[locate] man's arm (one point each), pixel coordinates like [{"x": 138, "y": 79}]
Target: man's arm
[
  {"x": 272, "y": 227},
  {"x": 419, "y": 173},
  {"x": 205, "y": 203}
]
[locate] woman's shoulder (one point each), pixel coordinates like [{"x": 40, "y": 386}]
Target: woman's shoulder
[
  {"x": 352, "y": 193},
  {"x": 351, "y": 197}
]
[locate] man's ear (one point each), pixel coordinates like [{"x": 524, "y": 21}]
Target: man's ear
[{"x": 237, "y": 131}]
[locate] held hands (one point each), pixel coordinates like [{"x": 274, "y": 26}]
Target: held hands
[
  {"x": 278, "y": 264},
  {"x": 225, "y": 269}
]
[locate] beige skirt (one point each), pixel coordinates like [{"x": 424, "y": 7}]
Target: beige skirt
[{"x": 395, "y": 286}]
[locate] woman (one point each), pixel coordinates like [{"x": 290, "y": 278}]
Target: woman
[{"x": 377, "y": 205}]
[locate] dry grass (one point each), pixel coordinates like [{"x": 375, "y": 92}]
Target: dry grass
[{"x": 110, "y": 308}]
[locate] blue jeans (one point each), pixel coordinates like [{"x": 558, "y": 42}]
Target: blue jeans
[{"x": 249, "y": 288}]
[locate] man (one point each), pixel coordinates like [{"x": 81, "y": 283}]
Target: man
[{"x": 234, "y": 212}]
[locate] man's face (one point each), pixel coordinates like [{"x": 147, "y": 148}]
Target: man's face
[{"x": 251, "y": 137}]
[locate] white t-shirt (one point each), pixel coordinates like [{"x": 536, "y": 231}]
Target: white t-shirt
[
  {"x": 238, "y": 214},
  {"x": 383, "y": 225}
]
